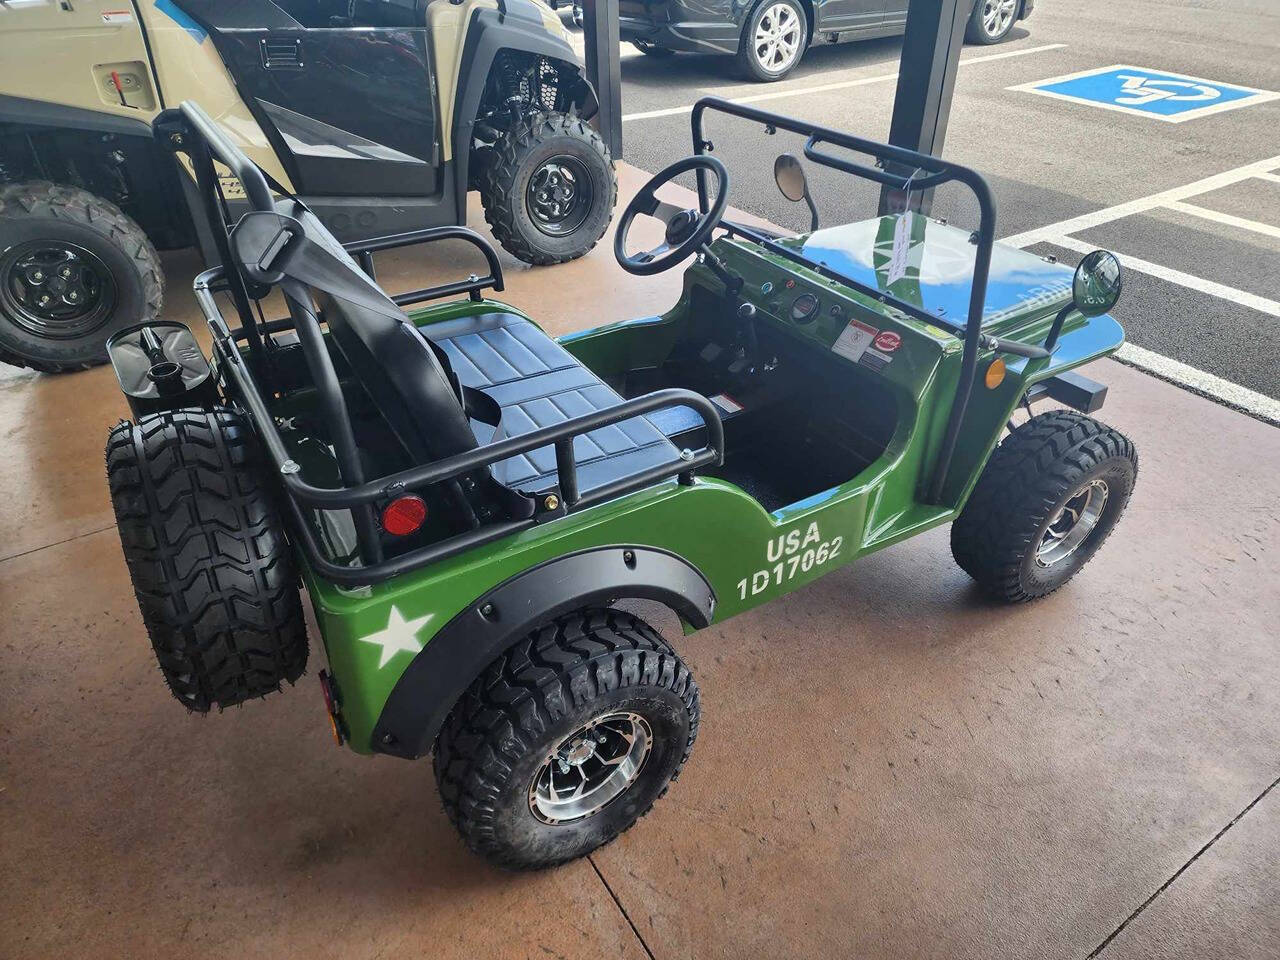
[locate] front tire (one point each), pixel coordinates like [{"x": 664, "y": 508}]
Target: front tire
[
  {"x": 214, "y": 577},
  {"x": 991, "y": 21},
  {"x": 73, "y": 270},
  {"x": 1048, "y": 498},
  {"x": 571, "y": 707},
  {"x": 773, "y": 40},
  {"x": 549, "y": 188}
]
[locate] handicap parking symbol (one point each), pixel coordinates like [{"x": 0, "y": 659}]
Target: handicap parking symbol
[{"x": 1172, "y": 97}]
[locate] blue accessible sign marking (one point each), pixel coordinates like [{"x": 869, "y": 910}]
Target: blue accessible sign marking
[{"x": 1172, "y": 97}]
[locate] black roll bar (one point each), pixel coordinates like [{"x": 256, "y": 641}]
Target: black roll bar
[
  {"x": 560, "y": 436},
  {"x": 936, "y": 172}
]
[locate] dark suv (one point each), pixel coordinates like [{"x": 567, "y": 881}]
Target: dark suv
[{"x": 770, "y": 36}]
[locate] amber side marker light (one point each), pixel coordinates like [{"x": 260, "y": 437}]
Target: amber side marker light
[
  {"x": 404, "y": 515},
  {"x": 331, "y": 706},
  {"x": 995, "y": 374}
]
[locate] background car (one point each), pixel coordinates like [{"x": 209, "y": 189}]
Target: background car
[{"x": 768, "y": 37}]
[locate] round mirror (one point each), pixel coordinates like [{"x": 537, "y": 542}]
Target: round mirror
[
  {"x": 1097, "y": 283},
  {"x": 790, "y": 176}
]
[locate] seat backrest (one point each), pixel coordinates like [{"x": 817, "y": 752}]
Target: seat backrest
[{"x": 408, "y": 379}]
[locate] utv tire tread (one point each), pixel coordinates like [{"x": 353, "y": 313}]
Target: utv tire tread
[
  {"x": 497, "y": 180},
  {"x": 207, "y": 555},
  {"x": 521, "y": 694},
  {"x": 58, "y": 201},
  {"x": 1024, "y": 478}
]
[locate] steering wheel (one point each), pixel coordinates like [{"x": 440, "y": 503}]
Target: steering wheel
[{"x": 687, "y": 230}]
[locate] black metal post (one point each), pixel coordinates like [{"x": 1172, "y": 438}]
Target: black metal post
[
  {"x": 926, "y": 82},
  {"x": 600, "y": 30}
]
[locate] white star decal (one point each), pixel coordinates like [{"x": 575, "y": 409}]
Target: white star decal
[{"x": 401, "y": 634}]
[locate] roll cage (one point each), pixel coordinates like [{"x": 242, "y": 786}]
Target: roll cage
[
  {"x": 890, "y": 162},
  {"x": 191, "y": 131}
]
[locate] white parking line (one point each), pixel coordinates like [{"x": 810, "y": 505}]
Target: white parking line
[
  {"x": 841, "y": 85},
  {"x": 1217, "y": 216},
  {"x": 1086, "y": 221},
  {"x": 1205, "y": 384},
  {"x": 1221, "y": 290}
]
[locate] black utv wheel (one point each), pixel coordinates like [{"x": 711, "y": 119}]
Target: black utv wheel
[
  {"x": 1046, "y": 501},
  {"x": 548, "y": 188},
  {"x": 213, "y": 574},
  {"x": 566, "y": 740},
  {"x": 73, "y": 270}
]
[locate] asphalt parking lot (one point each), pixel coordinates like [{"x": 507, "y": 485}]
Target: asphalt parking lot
[{"x": 1193, "y": 207}]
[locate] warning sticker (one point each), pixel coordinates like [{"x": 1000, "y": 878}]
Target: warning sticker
[
  {"x": 726, "y": 403},
  {"x": 117, "y": 16},
  {"x": 875, "y": 360},
  {"x": 854, "y": 340}
]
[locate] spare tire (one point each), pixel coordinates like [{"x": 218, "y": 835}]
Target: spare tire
[{"x": 206, "y": 549}]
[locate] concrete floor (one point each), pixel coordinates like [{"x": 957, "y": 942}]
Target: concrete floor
[{"x": 889, "y": 765}]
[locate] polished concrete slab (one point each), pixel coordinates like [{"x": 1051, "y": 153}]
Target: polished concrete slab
[{"x": 889, "y": 765}]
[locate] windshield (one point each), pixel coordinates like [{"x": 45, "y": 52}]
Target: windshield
[{"x": 929, "y": 265}]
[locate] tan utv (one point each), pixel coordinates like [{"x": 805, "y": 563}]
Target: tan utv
[{"x": 380, "y": 114}]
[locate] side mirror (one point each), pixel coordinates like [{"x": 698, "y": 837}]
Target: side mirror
[
  {"x": 791, "y": 179},
  {"x": 1096, "y": 287},
  {"x": 794, "y": 184}
]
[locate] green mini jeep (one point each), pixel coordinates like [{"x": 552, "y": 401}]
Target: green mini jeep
[{"x": 467, "y": 501}]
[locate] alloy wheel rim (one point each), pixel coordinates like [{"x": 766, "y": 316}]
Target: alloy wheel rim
[
  {"x": 55, "y": 290},
  {"x": 997, "y": 15},
  {"x": 559, "y": 196},
  {"x": 777, "y": 38},
  {"x": 1072, "y": 525},
  {"x": 590, "y": 768}
]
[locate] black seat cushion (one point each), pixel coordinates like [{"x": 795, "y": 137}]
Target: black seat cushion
[{"x": 537, "y": 383}]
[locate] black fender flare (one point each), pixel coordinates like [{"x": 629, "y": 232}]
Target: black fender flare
[
  {"x": 520, "y": 28},
  {"x": 39, "y": 113},
  {"x": 430, "y": 686}
]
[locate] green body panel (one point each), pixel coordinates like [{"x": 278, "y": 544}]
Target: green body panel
[{"x": 747, "y": 554}]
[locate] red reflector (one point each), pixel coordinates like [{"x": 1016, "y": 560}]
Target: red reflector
[{"x": 404, "y": 515}]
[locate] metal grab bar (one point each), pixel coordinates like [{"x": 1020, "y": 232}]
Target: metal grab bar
[
  {"x": 363, "y": 250},
  {"x": 458, "y": 464}
]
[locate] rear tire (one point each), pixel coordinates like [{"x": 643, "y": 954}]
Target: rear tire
[
  {"x": 122, "y": 280},
  {"x": 991, "y": 21},
  {"x": 1020, "y": 536},
  {"x": 653, "y": 50},
  {"x": 211, "y": 569},
  {"x": 545, "y": 152},
  {"x": 539, "y": 701}
]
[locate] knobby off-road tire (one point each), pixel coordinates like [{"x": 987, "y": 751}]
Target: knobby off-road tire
[
  {"x": 35, "y": 211},
  {"x": 206, "y": 551},
  {"x": 525, "y": 707},
  {"x": 1053, "y": 460},
  {"x": 533, "y": 141}
]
